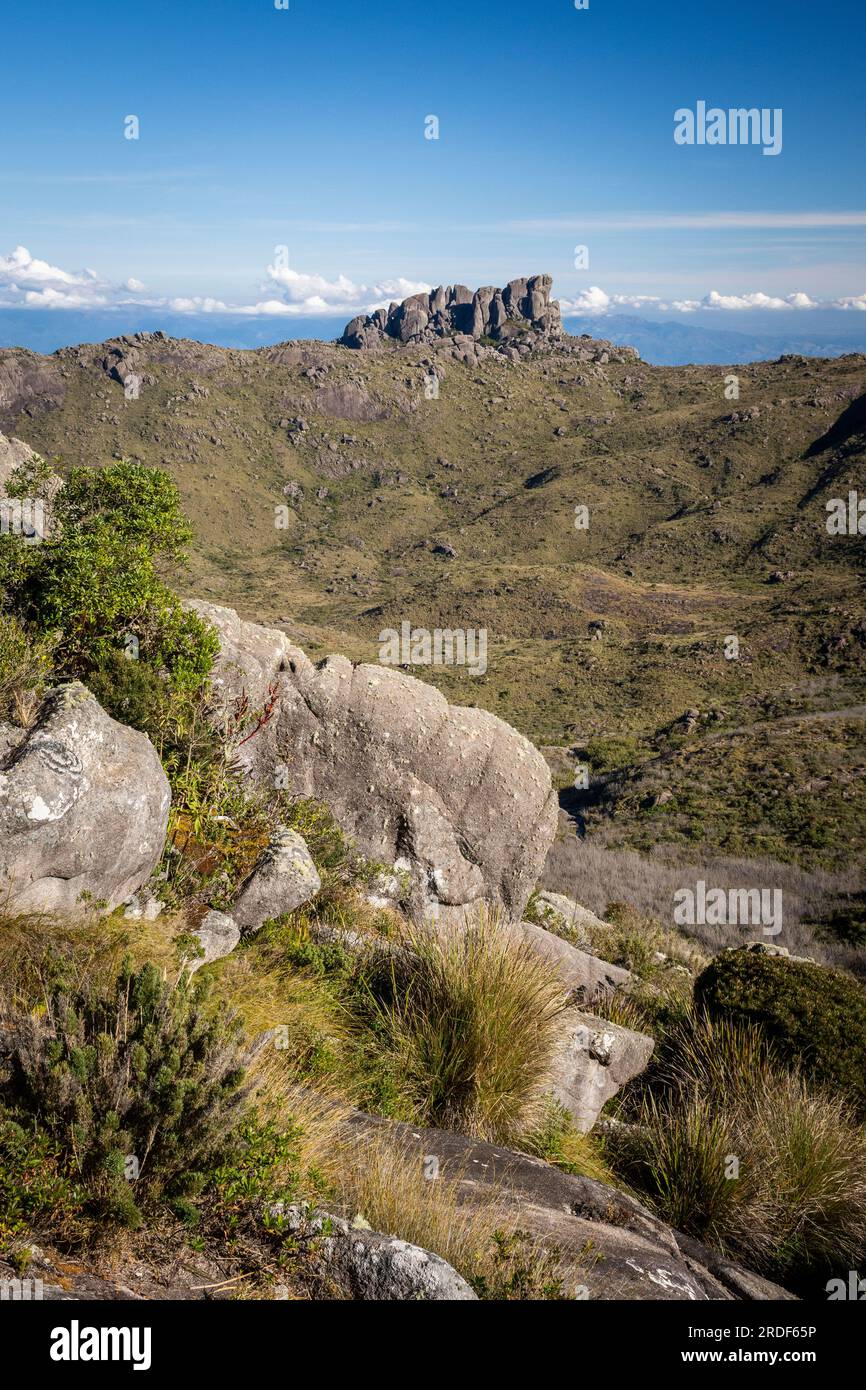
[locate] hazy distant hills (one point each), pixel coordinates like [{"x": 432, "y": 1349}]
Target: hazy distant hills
[
  {"x": 675, "y": 343},
  {"x": 669, "y": 343}
]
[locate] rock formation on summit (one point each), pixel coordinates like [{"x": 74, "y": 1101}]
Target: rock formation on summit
[{"x": 523, "y": 306}]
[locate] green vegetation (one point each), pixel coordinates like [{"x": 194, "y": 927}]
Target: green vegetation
[
  {"x": 734, "y": 1149},
  {"x": 140, "y": 1086},
  {"x": 814, "y": 1017},
  {"x": 93, "y": 582}
]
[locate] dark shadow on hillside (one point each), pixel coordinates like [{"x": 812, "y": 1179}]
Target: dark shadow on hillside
[{"x": 852, "y": 421}]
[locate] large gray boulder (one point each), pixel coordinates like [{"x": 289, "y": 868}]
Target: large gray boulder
[
  {"x": 84, "y": 807},
  {"x": 608, "y": 1246},
  {"x": 594, "y": 1059},
  {"x": 285, "y": 878},
  {"x": 455, "y": 797},
  {"x": 365, "y": 1264}
]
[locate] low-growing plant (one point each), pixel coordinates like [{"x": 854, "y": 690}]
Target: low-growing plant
[
  {"x": 814, "y": 1016},
  {"x": 36, "y": 1186},
  {"x": 139, "y": 1086},
  {"x": 469, "y": 1018}
]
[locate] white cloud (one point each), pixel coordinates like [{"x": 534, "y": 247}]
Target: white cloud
[
  {"x": 757, "y": 300},
  {"x": 49, "y": 298},
  {"x": 591, "y": 301},
  {"x": 313, "y": 294},
  {"x": 26, "y": 282},
  {"x": 850, "y": 301},
  {"x": 20, "y": 268},
  {"x": 595, "y": 300}
]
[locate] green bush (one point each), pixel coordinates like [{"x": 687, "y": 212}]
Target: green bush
[
  {"x": 140, "y": 1086},
  {"x": 813, "y": 1016},
  {"x": 95, "y": 579}
]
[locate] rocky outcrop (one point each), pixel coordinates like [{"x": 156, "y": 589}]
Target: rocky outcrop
[
  {"x": 455, "y": 797},
  {"x": 29, "y": 382},
  {"x": 522, "y": 307},
  {"x": 364, "y": 1264},
  {"x": 283, "y": 880},
  {"x": 594, "y": 1059},
  {"x": 610, "y": 1246},
  {"x": 83, "y": 807}
]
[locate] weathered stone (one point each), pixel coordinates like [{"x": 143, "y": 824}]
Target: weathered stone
[
  {"x": 594, "y": 1059},
  {"x": 563, "y": 914},
  {"x": 455, "y": 796},
  {"x": 367, "y": 1265},
  {"x": 282, "y": 881},
  {"x": 584, "y": 976},
  {"x": 523, "y": 306},
  {"x": 83, "y": 808},
  {"x": 218, "y": 934}
]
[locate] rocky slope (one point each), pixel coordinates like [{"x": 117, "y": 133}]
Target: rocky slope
[{"x": 438, "y": 482}]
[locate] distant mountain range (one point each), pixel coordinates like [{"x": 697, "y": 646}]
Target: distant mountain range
[
  {"x": 670, "y": 343},
  {"x": 675, "y": 343}
]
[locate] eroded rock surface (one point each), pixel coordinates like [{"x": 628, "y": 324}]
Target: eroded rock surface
[
  {"x": 454, "y": 796},
  {"x": 84, "y": 807},
  {"x": 612, "y": 1246}
]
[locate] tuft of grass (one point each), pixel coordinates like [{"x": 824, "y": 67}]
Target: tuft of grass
[
  {"x": 556, "y": 1140},
  {"x": 734, "y": 1149},
  {"x": 470, "y": 1020}
]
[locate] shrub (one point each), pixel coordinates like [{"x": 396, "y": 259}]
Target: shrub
[
  {"x": 35, "y": 1186},
  {"x": 814, "y": 1016},
  {"x": 470, "y": 1027},
  {"x": 94, "y": 579},
  {"x": 139, "y": 1085},
  {"x": 734, "y": 1150},
  {"x": 25, "y": 666}
]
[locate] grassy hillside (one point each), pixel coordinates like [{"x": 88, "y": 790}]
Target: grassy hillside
[{"x": 706, "y": 521}]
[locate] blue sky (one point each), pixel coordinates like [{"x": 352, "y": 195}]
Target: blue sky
[{"x": 304, "y": 128}]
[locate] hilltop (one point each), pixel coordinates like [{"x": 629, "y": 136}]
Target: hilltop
[{"x": 437, "y": 482}]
